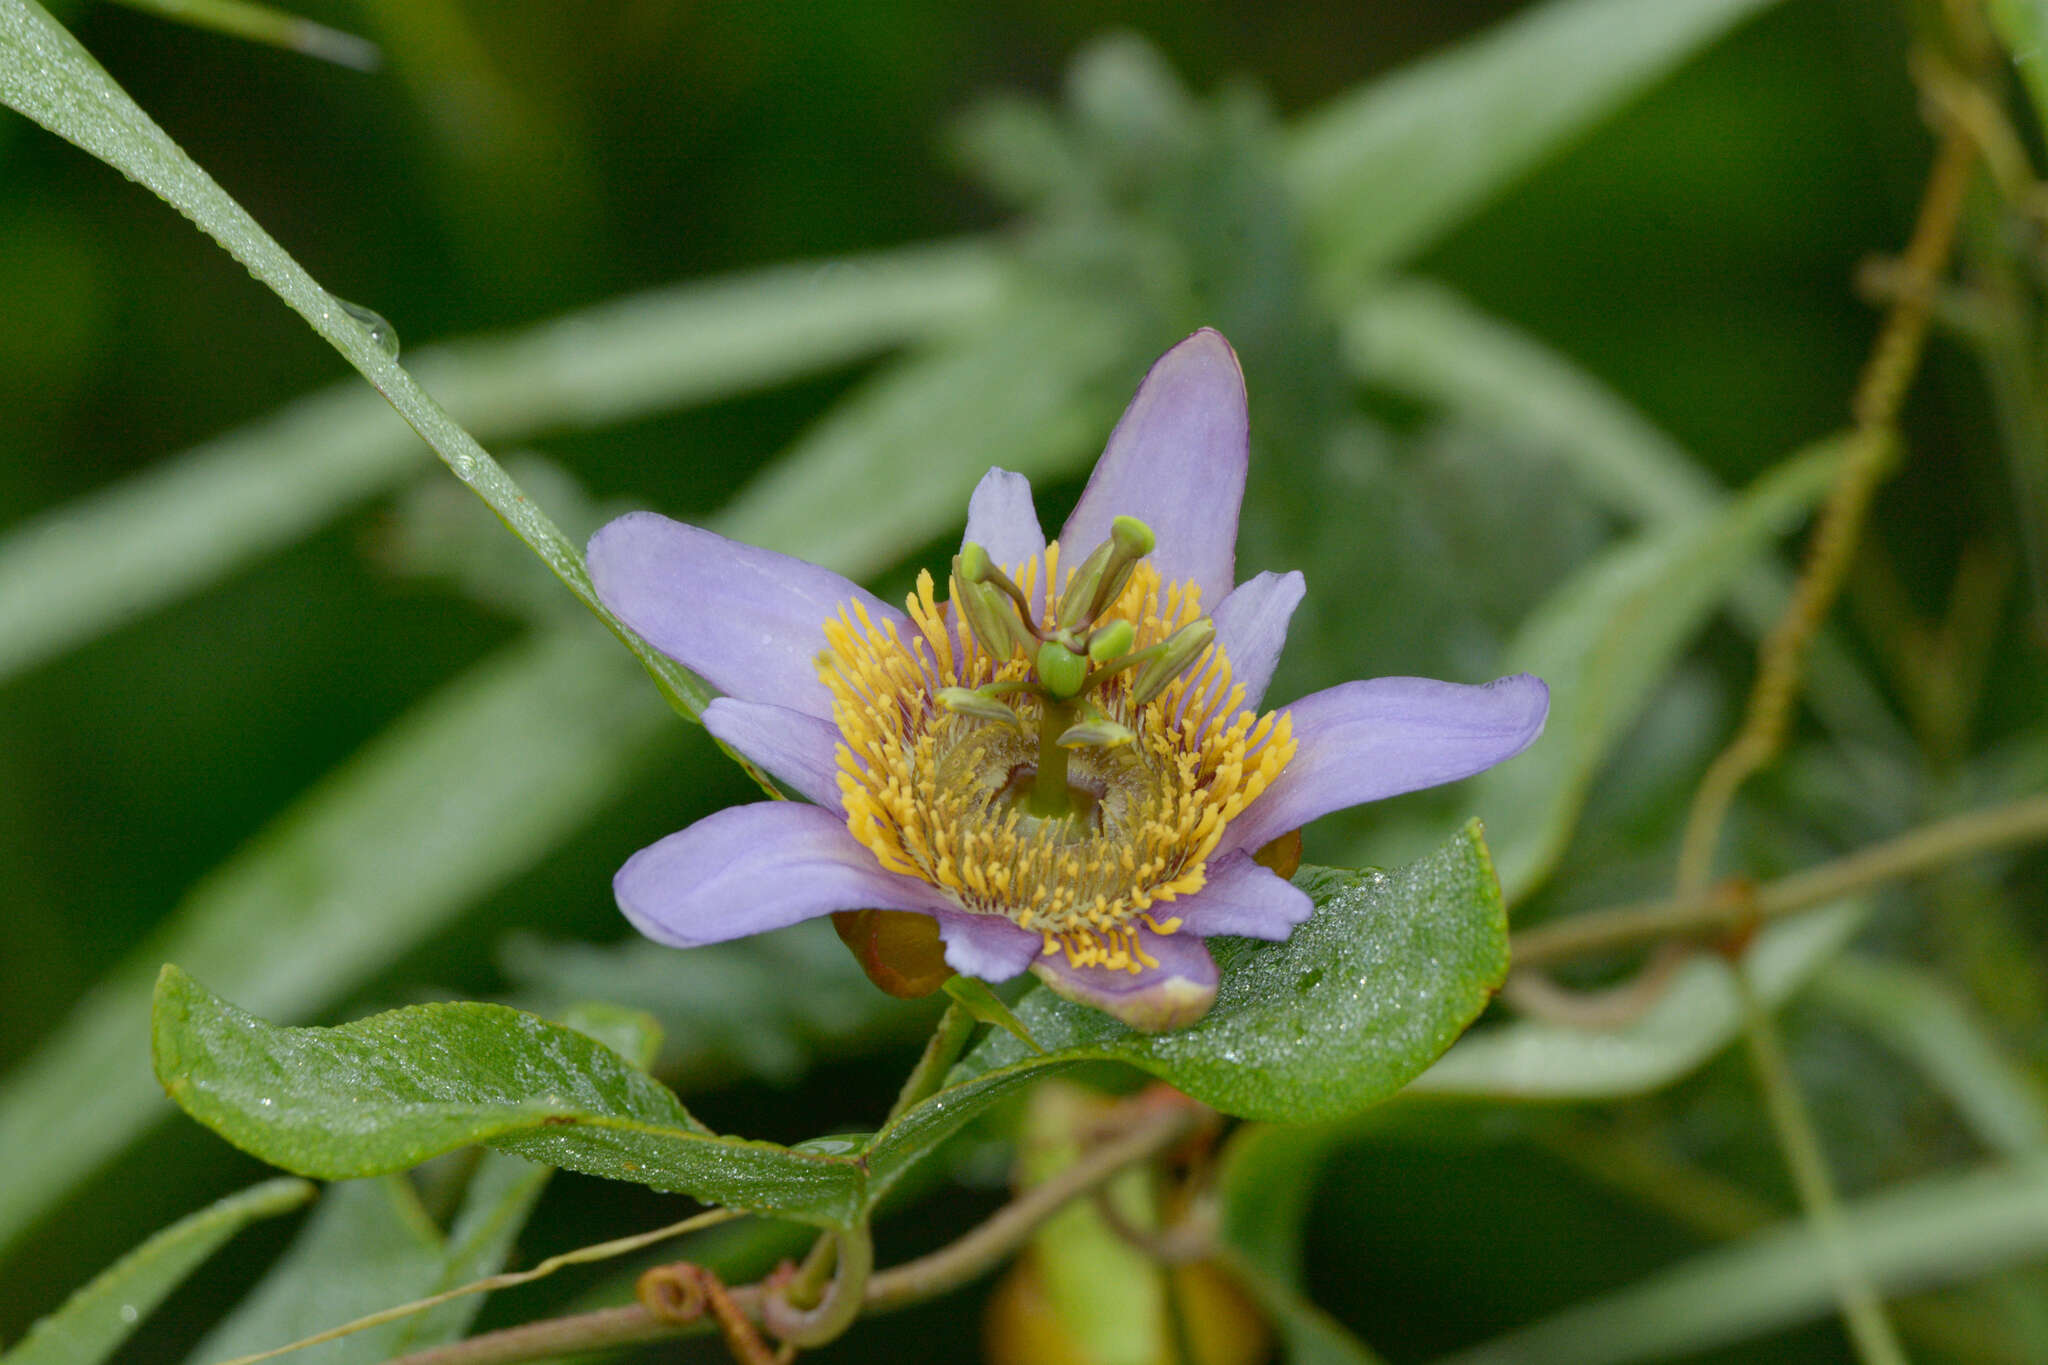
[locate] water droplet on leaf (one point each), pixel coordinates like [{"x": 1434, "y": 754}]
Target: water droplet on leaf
[{"x": 381, "y": 331}]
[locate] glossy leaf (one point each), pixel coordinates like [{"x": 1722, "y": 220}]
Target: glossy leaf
[
  {"x": 1605, "y": 641},
  {"x": 385, "y": 1093},
  {"x": 435, "y": 813},
  {"x": 1364, "y": 996},
  {"x": 1384, "y": 171},
  {"x": 94, "y": 1321}
]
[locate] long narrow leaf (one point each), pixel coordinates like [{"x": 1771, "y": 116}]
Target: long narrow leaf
[
  {"x": 1938, "y": 1230},
  {"x": 87, "y": 567},
  {"x": 1383, "y": 172},
  {"x": 94, "y": 1322},
  {"x": 435, "y": 813}
]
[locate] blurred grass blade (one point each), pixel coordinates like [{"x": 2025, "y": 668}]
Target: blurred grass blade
[
  {"x": 369, "y": 1244},
  {"x": 45, "y": 74},
  {"x": 266, "y": 24},
  {"x": 2022, "y": 27},
  {"x": 1698, "y": 1014},
  {"x": 96, "y": 1320},
  {"x": 1606, "y": 639},
  {"x": 1422, "y": 339},
  {"x": 1383, "y": 172},
  {"x": 81, "y": 570},
  {"x": 1938, "y": 1230},
  {"x": 1035, "y": 392},
  {"x": 1919, "y": 1017},
  {"x": 430, "y": 816}
]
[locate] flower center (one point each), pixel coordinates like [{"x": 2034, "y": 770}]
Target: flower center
[{"x": 1074, "y": 800}]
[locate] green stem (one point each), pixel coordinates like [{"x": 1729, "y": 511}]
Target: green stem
[
  {"x": 956, "y": 1026},
  {"x": 1862, "y": 1311}
]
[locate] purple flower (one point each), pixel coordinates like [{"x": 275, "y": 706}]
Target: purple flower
[{"x": 1063, "y": 762}]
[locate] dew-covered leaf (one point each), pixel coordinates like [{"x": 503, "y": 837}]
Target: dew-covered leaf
[
  {"x": 96, "y": 1319},
  {"x": 385, "y": 1093},
  {"x": 1373, "y": 988}
]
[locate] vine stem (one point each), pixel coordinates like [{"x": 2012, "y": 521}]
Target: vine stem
[
  {"x": 1153, "y": 1128},
  {"x": 1875, "y": 407},
  {"x": 1862, "y": 1310},
  {"x": 1731, "y": 905}
]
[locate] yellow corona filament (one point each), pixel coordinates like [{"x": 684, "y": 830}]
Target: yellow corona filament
[{"x": 925, "y": 788}]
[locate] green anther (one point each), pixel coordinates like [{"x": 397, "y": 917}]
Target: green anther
[
  {"x": 1077, "y": 602},
  {"x": 962, "y": 701},
  {"x": 1133, "y": 537},
  {"x": 1181, "y": 650},
  {"x": 1133, "y": 540},
  {"x": 1060, "y": 670},
  {"x": 1112, "y": 641},
  {"x": 973, "y": 564},
  {"x": 990, "y": 615},
  {"x": 1099, "y": 732}
]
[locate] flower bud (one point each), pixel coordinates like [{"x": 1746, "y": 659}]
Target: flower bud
[{"x": 1182, "y": 648}]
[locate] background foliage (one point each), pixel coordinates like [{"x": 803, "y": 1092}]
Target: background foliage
[{"x": 1548, "y": 330}]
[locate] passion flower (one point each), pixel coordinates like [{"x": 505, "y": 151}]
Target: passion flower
[{"x": 1062, "y": 761}]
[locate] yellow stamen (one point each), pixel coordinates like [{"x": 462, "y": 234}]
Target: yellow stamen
[{"x": 924, "y": 788}]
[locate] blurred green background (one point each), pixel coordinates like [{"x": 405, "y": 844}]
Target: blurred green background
[{"x": 1121, "y": 173}]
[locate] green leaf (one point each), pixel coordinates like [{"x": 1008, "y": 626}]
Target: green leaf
[
  {"x": 1697, "y": 1015},
  {"x": 385, "y": 1093},
  {"x": 1606, "y": 639},
  {"x": 631, "y": 1033},
  {"x": 1364, "y": 996},
  {"x": 266, "y": 24},
  {"x": 766, "y": 1007},
  {"x": 433, "y": 814},
  {"x": 83, "y": 569},
  {"x": 1938, "y": 1230},
  {"x": 96, "y": 1319},
  {"x": 1383, "y": 172}
]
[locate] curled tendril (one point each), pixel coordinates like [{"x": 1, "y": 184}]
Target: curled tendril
[{"x": 683, "y": 1292}]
